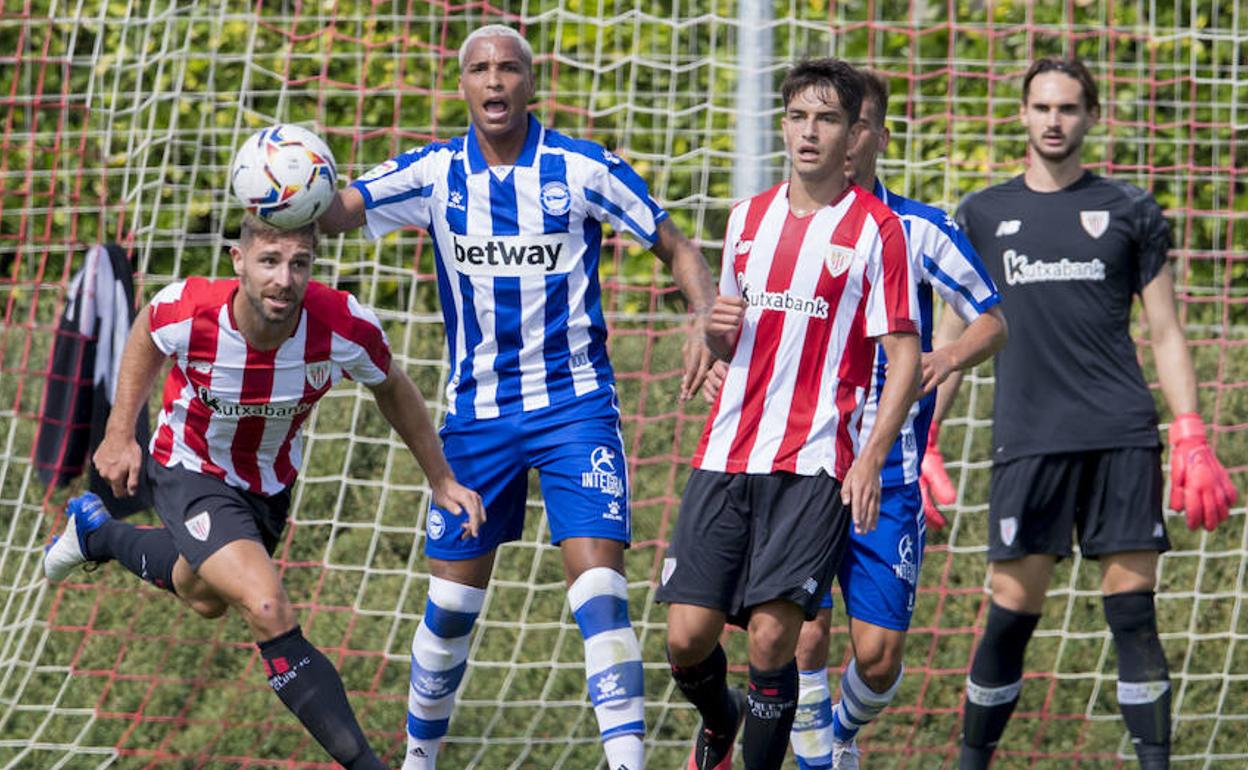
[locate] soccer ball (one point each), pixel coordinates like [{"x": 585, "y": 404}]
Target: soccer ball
[{"x": 285, "y": 175}]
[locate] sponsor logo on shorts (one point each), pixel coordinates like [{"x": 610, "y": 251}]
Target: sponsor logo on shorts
[
  {"x": 810, "y": 586},
  {"x": 613, "y": 512},
  {"x": 199, "y": 526},
  {"x": 1159, "y": 530},
  {"x": 317, "y": 373},
  {"x": 669, "y": 566},
  {"x": 1009, "y": 529},
  {"x": 436, "y": 525},
  {"x": 906, "y": 569},
  {"x": 555, "y": 198},
  {"x": 603, "y": 477}
]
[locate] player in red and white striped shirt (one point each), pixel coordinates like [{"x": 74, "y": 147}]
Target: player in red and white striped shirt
[
  {"x": 251, "y": 357},
  {"x": 815, "y": 272}
]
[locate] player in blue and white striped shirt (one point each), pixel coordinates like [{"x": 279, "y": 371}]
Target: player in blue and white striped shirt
[
  {"x": 515, "y": 212},
  {"x": 880, "y": 572}
]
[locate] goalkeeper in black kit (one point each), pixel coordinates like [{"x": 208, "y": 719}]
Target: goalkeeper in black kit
[{"x": 1076, "y": 451}]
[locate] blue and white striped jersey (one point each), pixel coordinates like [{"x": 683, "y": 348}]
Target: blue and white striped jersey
[
  {"x": 942, "y": 258},
  {"x": 517, "y": 250}
]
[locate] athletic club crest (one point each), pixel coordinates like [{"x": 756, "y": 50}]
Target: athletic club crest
[
  {"x": 199, "y": 526},
  {"x": 202, "y": 368},
  {"x": 1009, "y": 530},
  {"x": 1094, "y": 222},
  {"x": 317, "y": 373},
  {"x": 838, "y": 259}
]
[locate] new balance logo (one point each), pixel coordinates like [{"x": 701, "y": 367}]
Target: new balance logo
[{"x": 1009, "y": 227}]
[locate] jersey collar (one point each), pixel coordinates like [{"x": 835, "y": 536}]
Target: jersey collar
[
  {"x": 881, "y": 191},
  {"x": 528, "y": 154}
]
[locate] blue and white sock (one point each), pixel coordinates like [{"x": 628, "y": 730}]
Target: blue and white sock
[
  {"x": 599, "y": 600},
  {"x": 859, "y": 703},
  {"x": 439, "y": 658},
  {"x": 812, "y": 729}
]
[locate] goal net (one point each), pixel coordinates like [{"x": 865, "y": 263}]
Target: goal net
[{"x": 119, "y": 120}]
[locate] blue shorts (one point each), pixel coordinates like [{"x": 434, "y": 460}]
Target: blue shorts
[
  {"x": 880, "y": 571},
  {"x": 578, "y": 452}
]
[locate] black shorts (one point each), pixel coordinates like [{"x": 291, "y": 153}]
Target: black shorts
[
  {"x": 204, "y": 514},
  {"x": 746, "y": 539},
  {"x": 1112, "y": 497}
]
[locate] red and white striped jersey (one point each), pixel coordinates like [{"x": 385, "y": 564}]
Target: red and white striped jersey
[
  {"x": 818, "y": 289},
  {"x": 235, "y": 412}
]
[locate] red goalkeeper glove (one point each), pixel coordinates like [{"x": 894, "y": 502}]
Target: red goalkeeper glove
[
  {"x": 1199, "y": 485},
  {"x": 934, "y": 483}
]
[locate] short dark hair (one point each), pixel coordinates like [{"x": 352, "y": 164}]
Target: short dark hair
[
  {"x": 1071, "y": 67},
  {"x": 875, "y": 88},
  {"x": 254, "y": 227},
  {"x": 825, "y": 74}
]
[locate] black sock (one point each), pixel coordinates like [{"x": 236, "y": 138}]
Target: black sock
[
  {"x": 705, "y": 685},
  {"x": 148, "y": 552},
  {"x": 994, "y": 684},
  {"x": 307, "y": 683},
  {"x": 769, "y": 717},
  {"x": 1143, "y": 676}
]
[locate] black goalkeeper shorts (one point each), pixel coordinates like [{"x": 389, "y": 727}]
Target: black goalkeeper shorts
[{"x": 1111, "y": 498}]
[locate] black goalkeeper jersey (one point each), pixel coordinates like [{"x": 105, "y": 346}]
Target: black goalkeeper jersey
[{"x": 1067, "y": 264}]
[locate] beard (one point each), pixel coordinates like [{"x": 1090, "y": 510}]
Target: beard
[
  {"x": 1059, "y": 155},
  {"x": 273, "y": 317}
]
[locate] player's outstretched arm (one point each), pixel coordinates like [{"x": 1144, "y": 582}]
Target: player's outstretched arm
[
  {"x": 693, "y": 277},
  {"x": 119, "y": 458},
  {"x": 861, "y": 487},
  {"x": 402, "y": 404},
  {"x": 1199, "y": 485},
  {"x": 345, "y": 212}
]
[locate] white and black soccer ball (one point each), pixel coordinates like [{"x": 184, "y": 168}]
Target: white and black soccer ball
[{"x": 285, "y": 175}]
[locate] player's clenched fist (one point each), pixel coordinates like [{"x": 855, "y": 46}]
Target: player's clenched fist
[
  {"x": 724, "y": 323},
  {"x": 119, "y": 462}
]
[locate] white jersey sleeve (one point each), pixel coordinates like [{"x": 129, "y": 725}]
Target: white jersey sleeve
[
  {"x": 950, "y": 264},
  {"x": 399, "y": 192},
  {"x": 617, "y": 194},
  {"x": 363, "y": 353},
  {"x": 169, "y": 324}
]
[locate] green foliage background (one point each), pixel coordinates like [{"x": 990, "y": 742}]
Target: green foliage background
[{"x": 119, "y": 121}]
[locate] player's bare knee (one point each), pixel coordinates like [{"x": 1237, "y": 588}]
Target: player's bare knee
[
  {"x": 210, "y": 609},
  {"x": 268, "y": 614},
  {"x": 688, "y": 642},
  {"x": 812, "y": 644}
]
